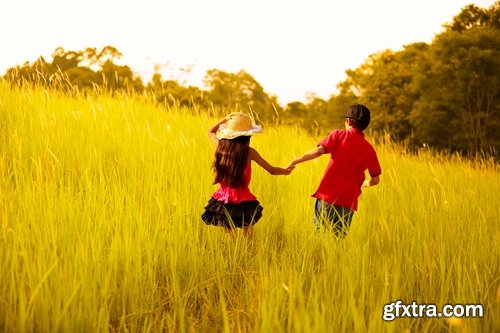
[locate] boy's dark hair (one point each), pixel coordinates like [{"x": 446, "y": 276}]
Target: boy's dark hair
[
  {"x": 230, "y": 162},
  {"x": 360, "y": 116}
]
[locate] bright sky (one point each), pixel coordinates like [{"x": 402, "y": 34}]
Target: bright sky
[{"x": 290, "y": 47}]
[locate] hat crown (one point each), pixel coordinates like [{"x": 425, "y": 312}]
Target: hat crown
[
  {"x": 358, "y": 112},
  {"x": 239, "y": 122}
]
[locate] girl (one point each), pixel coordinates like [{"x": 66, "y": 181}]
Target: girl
[{"x": 233, "y": 205}]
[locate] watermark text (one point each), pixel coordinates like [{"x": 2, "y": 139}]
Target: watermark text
[{"x": 399, "y": 309}]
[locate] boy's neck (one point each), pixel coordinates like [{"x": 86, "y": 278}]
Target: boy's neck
[{"x": 347, "y": 128}]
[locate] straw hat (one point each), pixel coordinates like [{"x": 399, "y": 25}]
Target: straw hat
[{"x": 238, "y": 124}]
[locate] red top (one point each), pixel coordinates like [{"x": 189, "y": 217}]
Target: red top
[
  {"x": 351, "y": 156},
  {"x": 235, "y": 195}
]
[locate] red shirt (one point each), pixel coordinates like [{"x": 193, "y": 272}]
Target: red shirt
[
  {"x": 235, "y": 195},
  {"x": 351, "y": 156}
]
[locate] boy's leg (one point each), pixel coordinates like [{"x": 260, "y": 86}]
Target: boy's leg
[
  {"x": 319, "y": 214},
  {"x": 324, "y": 215},
  {"x": 339, "y": 218}
]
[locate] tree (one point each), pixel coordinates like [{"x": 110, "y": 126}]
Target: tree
[
  {"x": 172, "y": 92},
  {"x": 39, "y": 71},
  {"x": 384, "y": 84},
  {"x": 445, "y": 94},
  {"x": 472, "y": 16},
  {"x": 241, "y": 92},
  {"x": 296, "y": 113},
  {"x": 459, "y": 99},
  {"x": 338, "y": 106},
  {"x": 78, "y": 69},
  {"x": 115, "y": 77}
]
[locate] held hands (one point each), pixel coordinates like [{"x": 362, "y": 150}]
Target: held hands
[
  {"x": 282, "y": 171},
  {"x": 288, "y": 170},
  {"x": 290, "y": 166}
]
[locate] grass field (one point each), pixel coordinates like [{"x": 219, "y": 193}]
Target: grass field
[{"x": 100, "y": 229}]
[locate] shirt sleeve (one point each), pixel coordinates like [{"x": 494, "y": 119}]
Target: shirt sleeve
[
  {"x": 374, "y": 167},
  {"x": 328, "y": 143}
]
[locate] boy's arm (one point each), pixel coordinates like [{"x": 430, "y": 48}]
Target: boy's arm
[
  {"x": 371, "y": 182},
  {"x": 255, "y": 156},
  {"x": 373, "y": 169},
  {"x": 310, "y": 155}
]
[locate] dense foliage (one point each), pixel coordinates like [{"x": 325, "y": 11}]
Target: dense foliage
[{"x": 445, "y": 94}]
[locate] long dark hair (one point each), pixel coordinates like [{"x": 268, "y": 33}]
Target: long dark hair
[{"x": 230, "y": 162}]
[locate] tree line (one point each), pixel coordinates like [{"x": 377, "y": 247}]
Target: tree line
[{"x": 445, "y": 94}]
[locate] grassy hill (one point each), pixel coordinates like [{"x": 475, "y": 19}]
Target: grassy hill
[{"x": 100, "y": 229}]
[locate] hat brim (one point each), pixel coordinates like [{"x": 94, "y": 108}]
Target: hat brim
[
  {"x": 224, "y": 133},
  {"x": 349, "y": 116}
]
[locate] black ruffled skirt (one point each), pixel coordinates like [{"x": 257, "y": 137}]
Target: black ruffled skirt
[{"x": 232, "y": 215}]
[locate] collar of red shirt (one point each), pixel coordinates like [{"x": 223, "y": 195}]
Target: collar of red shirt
[{"x": 355, "y": 130}]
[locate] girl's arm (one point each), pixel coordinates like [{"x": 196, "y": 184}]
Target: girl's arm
[
  {"x": 316, "y": 152},
  {"x": 255, "y": 156},
  {"x": 213, "y": 130}
]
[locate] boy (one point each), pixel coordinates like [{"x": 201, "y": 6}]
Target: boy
[{"x": 351, "y": 155}]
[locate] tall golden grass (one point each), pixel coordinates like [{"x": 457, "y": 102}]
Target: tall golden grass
[{"x": 100, "y": 229}]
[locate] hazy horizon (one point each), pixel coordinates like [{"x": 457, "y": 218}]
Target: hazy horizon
[{"x": 290, "y": 48}]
